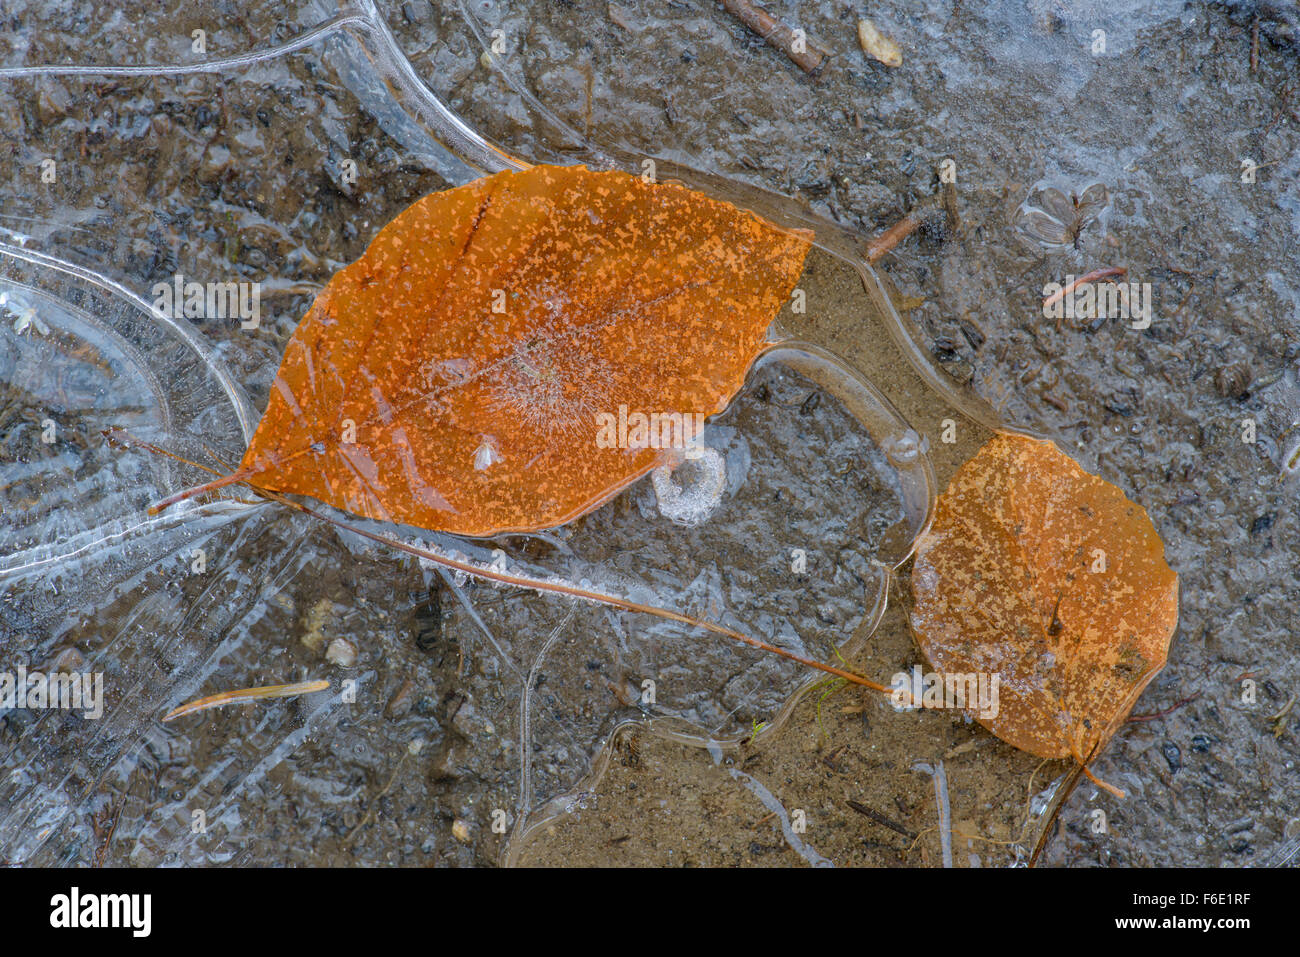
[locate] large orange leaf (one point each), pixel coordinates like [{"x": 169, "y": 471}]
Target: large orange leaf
[
  {"x": 451, "y": 378},
  {"x": 1051, "y": 578}
]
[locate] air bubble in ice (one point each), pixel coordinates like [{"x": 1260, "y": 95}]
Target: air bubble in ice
[
  {"x": 702, "y": 478},
  {"x": 904, "y": 450}
]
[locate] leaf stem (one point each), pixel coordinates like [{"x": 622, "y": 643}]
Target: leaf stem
[{"x": 122, "y": 437}]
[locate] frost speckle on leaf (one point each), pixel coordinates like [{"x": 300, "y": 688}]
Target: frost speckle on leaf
[
  {"x": 503, "y": 308},
  {"x": 1008, "y": 580}
]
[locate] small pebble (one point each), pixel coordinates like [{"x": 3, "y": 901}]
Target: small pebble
[
  {"x": 53, "y": 101},
  {"x": 341, "y": 652},
  {"x": 1174, "y": 755},
  {"x": 877, "y": 45},
  {"x": 465, "y": 719},
  {"x": 400, "y": 703},
  {"x": 460, "y": 831}
]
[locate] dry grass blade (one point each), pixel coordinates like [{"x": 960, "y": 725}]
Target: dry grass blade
[
  {"x": 244, "y": 696},
  {"x": 122, "y": 438}
]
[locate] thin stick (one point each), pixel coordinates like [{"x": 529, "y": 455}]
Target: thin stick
[
  {"x": 891, "y": 237},
  {"x": 1074, "y": 750},
  {"x": 925, "y": 212},
  {"x": 1080, "y": 770},
  {"x": 941, "y": 805},
  {"x": 809, "y": 59},
  {"x": 1097, "y": 274},
  {"x": 478, "y": 571},
  {"x": 1160, "y": 714},
  {"x": 519, "y": 581},
  {"x": 1254, "y": 45},
  {"x": 880, "y": 819},
  {"x": 216, "y": 483},
  {"x": 102, "y": 853},
  {"x": 245, "y": 695},
  {"x": 122, "y": 439}
]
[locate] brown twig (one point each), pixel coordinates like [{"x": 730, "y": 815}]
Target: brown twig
[
  {"x": 1067, "y": 788},
  {"x": 1151, "y": 716},
  {"x": 810, "y": 59},
  {"x": 926, "y": 213},
  {"x": 1254, "y": 45},
  {"x": 891, "y": 237},
  {"x": 1284, "y": 100},
  {"x": 102, "y": 853},
  {"x": 881, "y": 819},
  {"x": 1110, "y": 272}
]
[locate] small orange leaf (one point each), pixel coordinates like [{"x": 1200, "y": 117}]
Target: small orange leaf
[
  {"x": 451, "y": 378},
  {"x": 1050, "y": 577}
]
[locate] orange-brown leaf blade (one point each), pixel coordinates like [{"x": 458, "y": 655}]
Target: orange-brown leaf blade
[
  {"x": 1050, "y": 577},
  {"x": 451, "y": 378}
]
